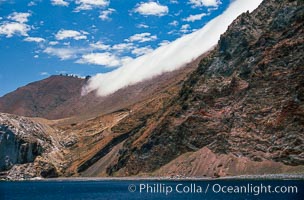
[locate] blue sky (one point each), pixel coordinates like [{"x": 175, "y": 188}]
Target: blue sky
[{"x": 84, "y": 37}]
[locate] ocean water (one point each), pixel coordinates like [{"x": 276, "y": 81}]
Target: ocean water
[{"x": 152, "y": 189}]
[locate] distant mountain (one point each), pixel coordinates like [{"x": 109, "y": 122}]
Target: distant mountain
[{"x": 41, "y": 98}]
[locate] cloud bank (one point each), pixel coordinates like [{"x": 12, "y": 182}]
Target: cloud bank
[{"x": 171, "y": 56}]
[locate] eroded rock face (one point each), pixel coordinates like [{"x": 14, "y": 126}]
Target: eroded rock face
[
  {"x": 15, "y": 150},
  {"x": 39, "y": 168},
  {"x": 21, "y": 140},
  {"x": 245, "y": 99}
]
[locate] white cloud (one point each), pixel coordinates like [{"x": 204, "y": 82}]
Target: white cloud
[
  {"x": 210, "y": 9},
  {"x": 174, "y": 1},
  {"x": 17, "y": 27},
  {"x": 126, "y": 60},
  {"x": 123, "y": 47},
  {"x": 104, "y": 59},
  {"x": 173, "y": 23},
  {"x": 193, "y": 18},
  {"x": 14, "y": 28},
  {"x": 185, "y": 28},
  {"x": 141, "y": 50},
  {"x": 207, "y": 3},
  {"x": 32, "y": 3},
  {"x": 60, "y": 3},
  {"x": 169, "y": 57},
  {"x": 76, "y": 35},
  {"x": 151, "y": 8},
  {"x": 34, "y": 39},
  {"x": 19, "y": 17},
  {"x": 164, "y": 42},
  {"x": 178, "y": 13},
  {"x": 62, "y": 53},
  {"x": 172, "y": 32},
  {"x": 67, "y": 43},
  {"x": 90, "y": 4},
  {"x": 104, "y": 15},
  {"x": 99, "y": 45},
  {"x": 142, "y": 26},
  {"x": 53, "y": 43},
  {"x": 44, "y": 74},
  {"x": 142, "y": 37}
]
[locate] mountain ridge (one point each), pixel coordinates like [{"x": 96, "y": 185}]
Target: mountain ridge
[
  {"x": 37, "y": 99},
  {"x": 52, "y": 101}
]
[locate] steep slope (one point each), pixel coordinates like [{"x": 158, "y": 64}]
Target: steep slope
[
  {"x": 90, "y": 106},
  {"x": 90, "y": 140},
  {"x": 245, "y": 100}
]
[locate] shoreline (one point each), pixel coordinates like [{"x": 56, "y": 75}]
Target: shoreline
[{"x": 240, "y": 177}]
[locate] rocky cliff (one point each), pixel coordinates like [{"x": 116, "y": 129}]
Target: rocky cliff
[
  {"x": 21, "y": 141},
  {"x": 24, "y": 141},
  {"x": 240, "y": 112},
  {"x": 245, "y": 100}
]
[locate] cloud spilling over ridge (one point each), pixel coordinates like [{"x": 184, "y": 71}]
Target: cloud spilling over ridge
[{"x": 169, "y": 57}]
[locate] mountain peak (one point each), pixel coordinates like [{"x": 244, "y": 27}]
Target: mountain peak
[{"x": 40, "y": 97}]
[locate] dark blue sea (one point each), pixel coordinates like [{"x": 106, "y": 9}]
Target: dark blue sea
[{"x": 152, "y": 189}]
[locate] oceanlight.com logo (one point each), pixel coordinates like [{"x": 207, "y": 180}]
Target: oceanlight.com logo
[
  {"x": 194, "y": 188},
  {"x": 254, "y": 189}
]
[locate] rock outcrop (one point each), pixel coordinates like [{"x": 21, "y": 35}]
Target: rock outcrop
[
  {"x": 40, "y": 168},
  {"x": 245, "y": 99},
  {"x": 22, "y": 142}
]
